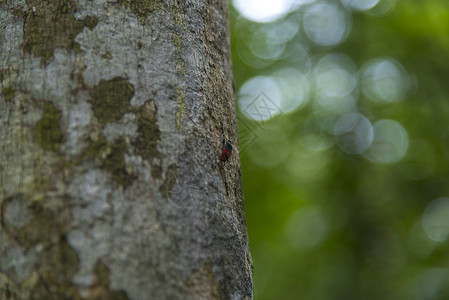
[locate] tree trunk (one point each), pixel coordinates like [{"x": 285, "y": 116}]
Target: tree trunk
[{"x": 113, "y": 114}]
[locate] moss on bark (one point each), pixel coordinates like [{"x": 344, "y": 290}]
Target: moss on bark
[
  {"x": 51, "y": 24},
  {"x": 146, "y": 142},
  {"x": 143, "y": 8},
  {"x": 47, "y": 132},
  {"x": 111, "y": 99}
]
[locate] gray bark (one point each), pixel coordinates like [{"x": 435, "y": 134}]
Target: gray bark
[{"x": 113, "y": 114}]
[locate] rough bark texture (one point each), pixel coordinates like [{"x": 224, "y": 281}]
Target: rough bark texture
[{"x": 113, "y": 114}]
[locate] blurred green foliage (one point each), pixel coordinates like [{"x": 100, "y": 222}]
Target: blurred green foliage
[{"x": 345, "y": 174}]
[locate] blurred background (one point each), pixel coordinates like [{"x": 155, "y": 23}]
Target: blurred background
[{"x": 343, "y": 111}]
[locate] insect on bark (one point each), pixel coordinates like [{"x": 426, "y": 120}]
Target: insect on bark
[{"x": 226, "y": 151}]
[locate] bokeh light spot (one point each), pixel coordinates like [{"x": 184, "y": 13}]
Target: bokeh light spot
[
  {"x": 383, "y": 8},
  {"x": 298, "y": 56},
  {"x": 326, "y": 24},
  {"x": 327, "y": 120},
  {"x": 262, "y": 10},
  {"x": 390, "y": 142},
  {"x": 294, "y": 87},
  {"x": 335, "y": 83},
  {"x": 264, "y": 46},
  {"x": 246, "y": 54},
  {"x": 283, "y": 30},
  {"x": 354, "y": 133},
  {"x": 260, "y": 98},
  {"x": 435, "y": 219},
  {"x": 359, "y": 4},
  {"x": 384, "y": 80},
  {"x": 333, "y": 88}
]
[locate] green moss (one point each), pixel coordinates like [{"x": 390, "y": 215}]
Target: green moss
[
  {"x": 181, "y": 67},
  {"x": 9, "y": 289},
  {"x": 8, "y": 93},
  {"x": 51, "y": 24},
  {"x": 156, "y": 171},
  {"x": 143, "y": 8},
  {"x": 112, "y": 157},
  {"x": 47, "y": 132},
  {"x": 19, "y": 13},
  {"x": 178, "y": 14},
  {"x": 58, "y": 263},
  {"x": 101, "y": 272},
  {"x": 101, "y": 285},
  {"x": 146, "y": 142},
  {"x": 177, "y": 42},
  {"x": 114, "y": 162},
  {"x": 181, "y": 107},
  {"x": 110, "y": 99},
  {"x": 40, "y": 183},
  {"x": 149, "y": 134},
  {"x": 171, "y": 177},
  {"x": 97, "y": 148},
  {"x": 57, "y": 266},
  {"x": 90, "y": 22},
  {"x": 45, "y": 227},
  {"x": 106, "y": 55}
]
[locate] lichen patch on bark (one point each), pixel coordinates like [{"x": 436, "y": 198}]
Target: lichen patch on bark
[
  {"x": 148, "y": 131},
  {"x": 40, "y": 236},
  {"x": 40, "y": 224},
  {"x": 177, "y": 42},
  {"x": 181, "y": 112},
  {"x": 58, "y": 264},
  {"x": 114, "y": 162},
  {"x": 111, "y": 99},
  {"x": 51, "y": 24},
  {"x": 202, "y": 284},
  {"x": 8, "y": 92},
  {"x": 48, "y": 133},
  {"x": 100, "y": 290},
  {"x": 143, "y": 8},
  {"x": 112, "y": 158},
  {"x": 178, "y": 13}
]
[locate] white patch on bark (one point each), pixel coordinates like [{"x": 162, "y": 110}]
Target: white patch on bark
[
  {"x": 90, "y": 193},
  {"x": 91, "y": 236},
  {"x": 127, "y": 128},
  {"x": 17, "y": 213},
  {"x": 52, "y": 82},
  {"x": 129, "y": 44},
  {"x": 11, "y": 45},
  {"x": 142, "y": 54},
  {"x": 78, "y": 127},
  {"x": 18, "y": 263}
]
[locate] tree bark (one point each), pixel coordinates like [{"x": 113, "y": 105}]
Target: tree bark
[{"x": 113, "y": 114}]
